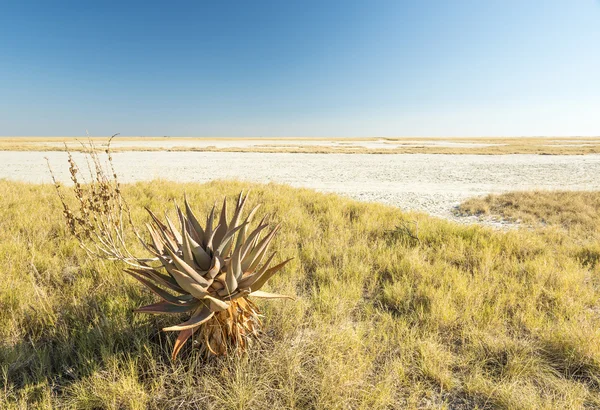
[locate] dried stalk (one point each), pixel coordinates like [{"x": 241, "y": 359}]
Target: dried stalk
[{"x": 101, "y": 218}]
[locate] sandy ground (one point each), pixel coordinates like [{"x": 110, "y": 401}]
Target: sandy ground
[{"x": 431, "y": 183}]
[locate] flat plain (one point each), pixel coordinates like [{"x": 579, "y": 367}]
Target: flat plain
[
  {"x": 432, "y": 183},
  {"x": 374, "y": 145}
]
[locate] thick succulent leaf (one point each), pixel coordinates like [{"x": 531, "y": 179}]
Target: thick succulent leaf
[
  {"x": 167, "y": 236},
  {"x": 159, "y": 291},
  {"x": 241, "y": 238},
  {"x": 233, "y": 296},
  {"x": 253, "y": 240},
  {"x": 193, "y": 242},
  {"x": 227, "y": 245},
  {"x": 248, "y": 280},
  {"x": 217, "y": 285},
  {"x": 210, "y": 244},
  {"x": 169, "y": 266},
  {"x": 181, "y": 218},
  {"x": 222, "y": 229},
  {"x": 210, "y": 220},
  {"x": 239, "y": 208},
  {"x": 216, "y": 305},
  {"x": 251, "y": 263},
  {"x": 157, "y": 242},
  {"x": 253, "y": 244},
  {"x": 264, "y": 220},
  {"x": 259, "y": 282},
  {"x": 267, "y": 295},
  {"x": 203, "y": 259},
  {"x": 200, "y": 316},
  {"x": 157, "y": 221},
  {"x": 215, "y": 266},
  {"x": 227, "y": 239},
  {"x": 227, "y": 249},
  {"x": 183, "y": 336},
  {"x": 186, "y": 247},
  {"x": 176, "y": 234},
  {"x": 187, "y": 269},
  {"x": 199, "y": 232},
  {"x": 248, "y": 244},
  {"x": 250, "y": 216},
  {"x": 236, "y": 263},
  {"x": 159, "y": 278},
  {"x": 231, "y": 283},
  {"x": 190, "y": 285},
  {"x": 253, "y": 258},
  {"x": 240, "y": 293},
  {"x": 167, "y": 308},
  {"x": 165, "y": 280}
]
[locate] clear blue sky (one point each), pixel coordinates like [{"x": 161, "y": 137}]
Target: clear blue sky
[{"x": 300, "y": 68}]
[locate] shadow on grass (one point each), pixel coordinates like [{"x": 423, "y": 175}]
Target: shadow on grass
[{"x": 67, "y": 352}]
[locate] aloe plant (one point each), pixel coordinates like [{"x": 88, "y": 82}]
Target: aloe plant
[{"x": 209, "y": 273}]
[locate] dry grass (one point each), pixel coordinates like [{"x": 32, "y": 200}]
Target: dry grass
[
  {"x": 504, "y": 146},
  {"x": 573, "y": 210},
  {"x": 458, "y": 317}
]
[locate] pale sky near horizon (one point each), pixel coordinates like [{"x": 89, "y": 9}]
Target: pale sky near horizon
[{"x": 301, "y": 68}]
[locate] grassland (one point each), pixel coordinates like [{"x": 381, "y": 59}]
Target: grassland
[
  {"x": 575, "y": 211},
  {"x": 419, "y": 145},
  {"x": 393, "y": 310}
]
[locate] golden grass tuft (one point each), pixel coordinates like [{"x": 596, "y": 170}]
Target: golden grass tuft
[
  {"x": 574, "y": 210},
  {"x": 461, "y": 317}
]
